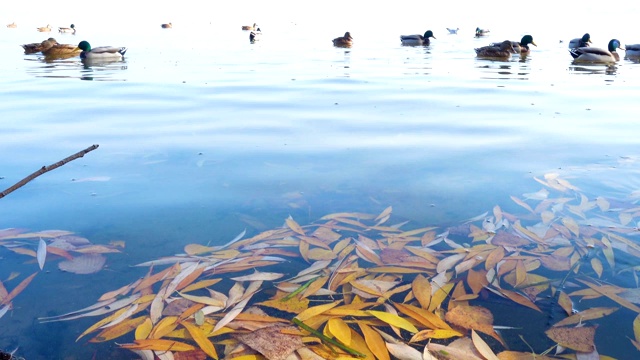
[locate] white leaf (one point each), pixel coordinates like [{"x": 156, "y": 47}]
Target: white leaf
[{"x": 42, "y": 253}]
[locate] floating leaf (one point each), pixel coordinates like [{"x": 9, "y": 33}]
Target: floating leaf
[
  {"x": 272, "y": 342},
  {"x": 589, "y": 314},
  {"x": 482, "y": 347},
  {"x": 201, "y": 339},
  {"x": 394, "y": 320},
  {"x": 292, "y": 305},
  {"x": 42, "y": 253},
  {"x": 316, "y": 310},
  {"x": 120, "y": 329},
  {"x": 374, "y": 341},
  {"x": 473, "y": 318},
  {"x": 158, "y": 344},
  {"x": 340, "y": 330},
  {"x": 83, "y": 264},
  {"x": 403, "y": 351},
  {"x": 576, "y": 338}
]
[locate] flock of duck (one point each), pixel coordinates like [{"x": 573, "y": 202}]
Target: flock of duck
[{"x": 579, "y": 48}]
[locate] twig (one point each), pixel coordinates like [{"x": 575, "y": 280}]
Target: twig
[{"x": 45, "y": 169}]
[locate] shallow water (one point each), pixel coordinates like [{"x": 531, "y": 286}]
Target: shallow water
[{"x": 203, "y": 134}]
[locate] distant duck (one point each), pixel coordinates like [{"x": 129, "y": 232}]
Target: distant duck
[
  {"x": 167, "y": 26},
  {"x": 45, "y": 28},
  {"x": 453, "y": 31},
  {"x": 343, "y": 41},
  {"x": 250, "y": 27},
  {"x": 588, "y": 54},
  {"x": 102, "y": 53},
  {"x": 482, "y": 32},
  {"x": 504, "y": 51},
  {"x": 255, "y": 35},
  {"x": 412, "y": 40},
  {"x": 12, "y": 25},
  {"x": 71, "y": 29},
  {"x": 38, "y": 47},
  {"x": 584, "y": 41},
  {"x": 522, "y": 47},
  {"x": 54, "y": 50},
  {"x": 632, "y": 51}
]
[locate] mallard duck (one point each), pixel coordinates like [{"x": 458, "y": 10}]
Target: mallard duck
[
  {"x": 54, "y": 50},
  {"x": 482, "y": 32},
  {"x": 45, "y": 28},
  {"x": 590, "y": 54},
  {"x": 504, "y": 51},
  {"x": 584, "y": 41},
  {"x": 12, "y": 25},
  {"x": 166, "y": 26},
  {"x": 71, "y": 29},
  {"x": 102, "y": 53},
  {"x": 255, "y": 35},
  {"x": 632, "y": 51},
  {"x": 412, "y": 40},
  {"x": 521, "y": 47},
  {"x": 250, "y": 27},
  {"x": 38, "y": 47},
  {"x": 343, "y": 41}
]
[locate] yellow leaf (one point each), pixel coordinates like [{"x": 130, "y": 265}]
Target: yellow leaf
[
  {"x": 201, "y": 339},
  {"x": 316, "y": 310},
  {"x": 589, "y": 314},
  {"x": 201, "y": 284},
  {"x": 207, "y": 300},
  {"x": 438, "y": 297},
  {"x": 577, "y": 338},
  {"x": 196, "y": 249},
  {"x": 340, "y": 330},
  {"x": 120, "y": 329},
  {"x": 572, "y": 225},
  {"x": 482, "y": 347},
  {"x": 423, "y": 316},
  {"x": 636, "y": 328},
  {"x": 596, "y": 264},
  {"x": 421, "y": 288},
  {"x": 158, "y": 344},
  {"x": 143, "y": 330},
  {"x": 293, "y": 225},
  {"x": 435, "y": 334},
  {"x": 522, "y": 203},
  {"x": 394, "y": 320},
  {"x": 374, "y": 341},
  {"x": 292, "y": 305},
  {"x": 163, "y": 327}
]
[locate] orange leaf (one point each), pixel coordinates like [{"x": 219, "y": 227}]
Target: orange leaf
[
  {"x": 118, "y": 330},
  {"x": 201, "y": 339},
  {"x": 158, "y": 344},
  {"x": 18, "y": 289}
]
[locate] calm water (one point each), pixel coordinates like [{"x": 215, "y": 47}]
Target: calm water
[{"x": 203, "y": 134}]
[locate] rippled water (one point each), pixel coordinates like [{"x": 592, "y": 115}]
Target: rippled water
[{"x": 203, "y": 134}]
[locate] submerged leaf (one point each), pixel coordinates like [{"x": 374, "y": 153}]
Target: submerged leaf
[{"x": 83, "y": 264}]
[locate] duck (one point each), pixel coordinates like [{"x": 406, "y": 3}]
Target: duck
[
  {"x": 38, "y": 47},
  {"x": 343, "y": 41},
  {"x": 255, "y": 35},
  {"x": 250, "y": 27},
  {"x": 166, "y": 26},
  {"x": 417, "y": 39},
  {"x": 55, "y": 50},
  {"x": 482, "y": 32},
  {"x": 584, "y": 41},
  {"x": 522, "y": 47},
  {"x": 632, "y": 51},
  {"x": 101, "y": 53},
  {"x": 12, "y": 25},
  {"x": 453, "y": 31},
  {"x": 45, "y": 28},
  {"x": 588, "y": 54},
  {"x": 504, "y": 51},
  {"x": 71, "y": 29}
]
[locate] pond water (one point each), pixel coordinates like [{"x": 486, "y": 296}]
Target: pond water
[{"x": 203, "y": 135}]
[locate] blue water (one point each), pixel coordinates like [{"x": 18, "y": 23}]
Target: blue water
[{"x": 203, "y": 134}]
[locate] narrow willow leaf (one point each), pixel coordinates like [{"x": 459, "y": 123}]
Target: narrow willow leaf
[
  {"x": 201, "y": 339},
  {"x": 42, "y": 253},
  {"x": 394, "y": 320},
  {"x": 482, "y": 347},
  {"x": 340, "y": 330},
  {"x": 374, "y": 341}
]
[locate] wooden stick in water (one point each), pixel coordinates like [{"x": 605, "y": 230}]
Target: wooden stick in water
[{"x": 45, "y": 169}]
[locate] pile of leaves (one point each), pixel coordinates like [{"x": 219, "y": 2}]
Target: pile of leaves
[{"x": 362, "y": 287}]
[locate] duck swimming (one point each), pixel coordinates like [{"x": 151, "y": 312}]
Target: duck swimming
[
  {"x": 38, "y": 47},
  {"x": 482, "y": 32},
  {"x": 343, "y": 41},
  {"x": 522, "y": 47},
  {"x": 584, "y": 41},
  {"x": 101, "y": 53},
  {"x": 71, "y": 29},
  {"x": 413, "y": 40},
  {"x": 504, "y": 51},
  {"x": 590, "y": 54},
  {"x": 166, "y": 26},
  {"x": 54, "y": 50},
  {"x": 250, "y": 27},
  {"x": 44, "y": 28}
]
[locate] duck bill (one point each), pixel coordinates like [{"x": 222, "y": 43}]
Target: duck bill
[{"x": 534, "y": 44}]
